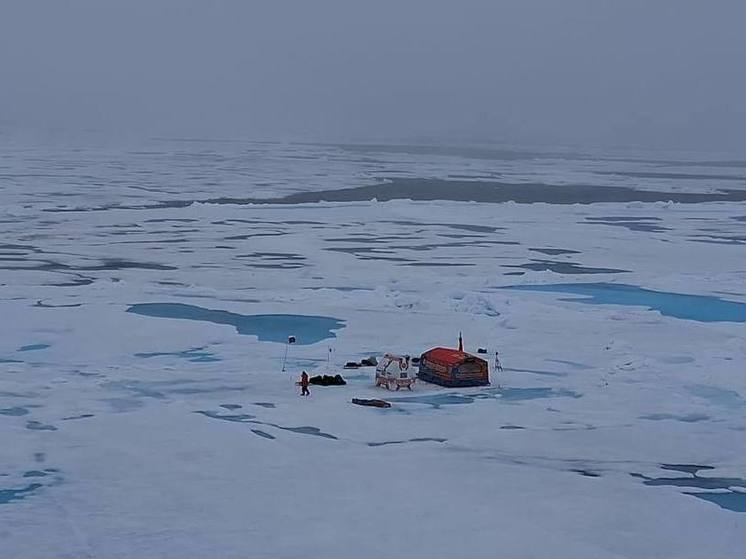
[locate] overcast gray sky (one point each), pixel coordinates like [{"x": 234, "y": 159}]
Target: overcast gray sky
[{"x": 660, "y": 73}]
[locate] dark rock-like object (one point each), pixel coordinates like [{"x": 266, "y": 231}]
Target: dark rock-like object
[{"x": 327, "y": 380}]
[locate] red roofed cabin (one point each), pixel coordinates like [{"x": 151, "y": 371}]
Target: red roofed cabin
[{"x": 451, "y": 367}]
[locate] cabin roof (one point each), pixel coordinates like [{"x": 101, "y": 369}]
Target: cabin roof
[{"x": 449, "y": 356}]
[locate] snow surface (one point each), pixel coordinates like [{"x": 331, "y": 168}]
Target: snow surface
[{"x": 127, "y": 435}]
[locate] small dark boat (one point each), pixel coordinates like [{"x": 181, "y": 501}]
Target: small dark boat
[{"x": 373, "y": 403}]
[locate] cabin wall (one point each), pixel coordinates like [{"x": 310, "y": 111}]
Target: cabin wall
[
  {"x": 453, "y": 376},
  {"x": 469, "y": 373}
]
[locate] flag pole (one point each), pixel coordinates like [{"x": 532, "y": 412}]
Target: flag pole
[{"x": 291, "y": 340}]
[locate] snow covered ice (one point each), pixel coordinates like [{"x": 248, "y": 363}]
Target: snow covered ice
[{"x": 616, "y": 429}]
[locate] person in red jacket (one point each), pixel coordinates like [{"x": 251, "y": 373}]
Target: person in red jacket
[{"x": 304, "y": 384}]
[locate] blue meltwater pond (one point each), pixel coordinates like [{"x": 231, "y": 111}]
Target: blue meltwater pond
[
  {"x": 702, "y": 308},
  {"x": 266, "y": 327}
]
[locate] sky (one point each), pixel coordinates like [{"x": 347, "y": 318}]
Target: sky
[{"x": 634, "y": 73}]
